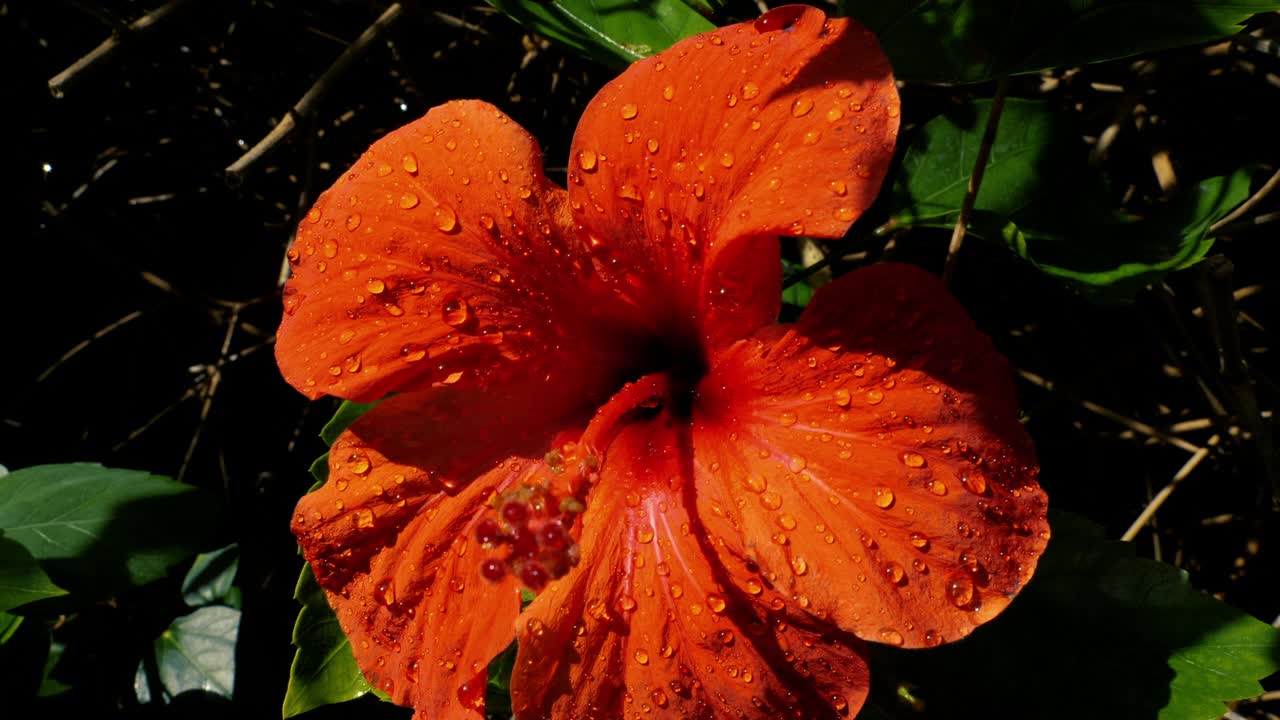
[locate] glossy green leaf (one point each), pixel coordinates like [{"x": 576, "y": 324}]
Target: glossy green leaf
[
  {"x": 197, "y": 652},
  {"x": 1040, "y": 200},
  {"x": 96, "y": 530},
  {"x": 348, "y": 412},
  {"x": 9, "y": 625},
  {"x": 798, "y": 294},
  {"x": 211, "y": 577},
  {"x": 1098, "y": 633},
  {"x": 497, "y": 701},
  {"x": 970, "y": 41},
  {"x": 613, "y": 32},
  {"x": 324, "y": 670},
  {"x": 21, "y": 578},
  {"x": 938, "y": 162}
]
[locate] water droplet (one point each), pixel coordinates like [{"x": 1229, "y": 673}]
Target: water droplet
[
  {"x": 874, "y": 397},
  {"x": 457, "y": 585},
  {"x": 771, "y": 500},
  {"x": 629, "y": 111},
  {"x": 455, "y": 311},
  {"x": 787, "y": 521},
  {"x": 838, "y": 187},
  {"x": 353, "y": 221},
  {"x": 410, "y": 163},
  {"x": 376, "y": 286},
  {"x": 834, "y": 114},
  {"x": 797, "y": 463},
  {"x": 843, "y": 397},
  {"x": 919, "y": 541},
  {"x": 811, "y": 137},
  {"x": 974, "y": 483},
  {"x": 892, "y": 111},
  {"x": 384, "y": 169},
  {"x": 787, "y": 419},
  {"x": 668, "y": 92},
  {"x": 644, "y": 534},
  {"x": 799, "y": 565},
  {"x": 891, "y": 637},
  {"x": 329, "y": 248},
  {"x": 445, "y": 219},
  {"x": 801, "y": 106},
  {"x": 894, "y": 573},
  {"x": 726, "y": 159},
  {"x": 960, "y": 589},
  {"x": 313, "y": 215},
  {"x": 587, "y": 160},
  {"x": 535, "y": 627},
  {"x": 912, "y": 460},
  {"x": 642, "y": 657},
  {"x": 754, "y": 587},
  {"x": 838, "y": 702},
  {"x": 716, "y": 603},
  {"x": 408, "y": 201},
  {"x": 845, "y": 214},
  {"x": 884, "y": 497},
  {"x": 937, "y": 487},
  {"x": 364, "y": 518},
  {"x": 346, "y": 336}
]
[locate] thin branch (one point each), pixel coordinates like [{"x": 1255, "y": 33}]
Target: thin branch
[
  {"x": 1192, "y": 462},
  {"x": 86, "y": 343},
  {"x": 58, "y": 83},
  {"x": 307, "y": 104},
  {"x": 215, "y": 378},
  {"x": 1247, "y": 205},
  {"x": 975, "y": 180},
  {"x": 1135, "y": 425}
]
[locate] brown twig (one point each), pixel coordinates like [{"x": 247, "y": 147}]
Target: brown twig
[
  {"x": 58, "y": 83},
  {"x": 86, "y": 343},
  {"x": 975, "y": 180},
  {"x": 1150, "y": 510},
  {"x": 1247, "y": 205},
  {"x": 307, "y": 104}
]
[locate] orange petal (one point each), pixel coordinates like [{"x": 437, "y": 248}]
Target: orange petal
[
  {"x": 644, "y": 624},
  {"x": 867, "y": 465},
  {"x": 391, "y": 538},
  {"x": 785, "y": 125},
  {"x": 438, "y": 258}
]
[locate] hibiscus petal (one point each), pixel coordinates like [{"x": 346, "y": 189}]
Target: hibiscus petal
[
  {"x": 781, "y": 126},
  {"x": 390, "y": 537},
  {"x": 645, "y": 623},
  {"x": 867, "y": 465},
  {"x": 436, "y": 259}
]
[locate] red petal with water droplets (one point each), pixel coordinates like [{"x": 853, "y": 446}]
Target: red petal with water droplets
[
  {"x": 782, "y": 126},
  {"x": 391, "y": 537},
  {"x": 438, "y": 258},
  {"x": 867, "y": 464},
  {"x": 644, "y": 624}
]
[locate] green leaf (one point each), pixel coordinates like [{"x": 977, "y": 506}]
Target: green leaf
[
  {"x": 1035, "y": 168},
  {"x": 497, "y": 701},
  {"x": 324, "y": 670},
  {"x": 613, "y": 32},
  {"x": 1098, "y": 632},
  {"x": 21, "y": 578},
  {"x": 798, "y": 294},
  {"x": 971, "y": 41},
  {"x": 938, "y": 162},
  {"x": 211, "y": 576},
  {"x": 96, "y": 530},
  {"x": 197, "y": 652},
  {"x": 348, "y": 412},
  {"x": 50, "y": 685},
  {"x": 9, "y": 625}
]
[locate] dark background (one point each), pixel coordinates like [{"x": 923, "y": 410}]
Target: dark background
[{"x": 119, "y": 210}]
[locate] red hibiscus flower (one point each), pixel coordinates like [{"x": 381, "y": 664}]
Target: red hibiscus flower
[{"x": 591, "y": 399}]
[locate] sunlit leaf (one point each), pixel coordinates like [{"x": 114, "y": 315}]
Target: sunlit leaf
[
  {"x": 970, "y": 41},
  {"x": 1098, "y": 632},
  {"x": 197, "y": 652},
  {"x": 324, "y": 670},
  {"x": 614, "y": 32},
  {"x": 96, "y": 530}
]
